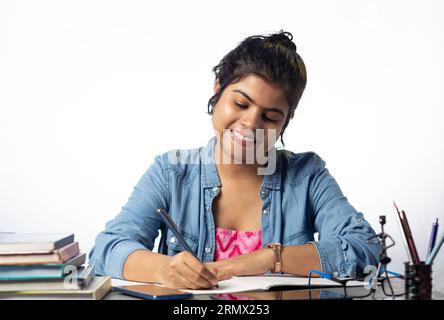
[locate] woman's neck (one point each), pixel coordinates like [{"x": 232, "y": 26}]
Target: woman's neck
[
  {"x": 238, "y": 171},
  {"x": 230, "y": 170}
]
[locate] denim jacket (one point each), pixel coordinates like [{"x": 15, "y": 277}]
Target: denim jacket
[{"x": 300, "y": 198}]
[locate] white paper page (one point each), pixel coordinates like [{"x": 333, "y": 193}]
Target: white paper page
[
  {"x": 121, "y": 283},
  {"x": 252, "y": 283},
  {"x": 225, "y": 286},
  {"x": 257, "y": 283},
  {"x": 289, "y": 280},
  {"x": 235, "y": 284}
]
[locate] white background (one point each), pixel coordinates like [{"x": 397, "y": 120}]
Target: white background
[{"x": 91, "y": 91}]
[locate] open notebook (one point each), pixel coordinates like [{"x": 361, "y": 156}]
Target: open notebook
[{"x": 258, "y": 283}]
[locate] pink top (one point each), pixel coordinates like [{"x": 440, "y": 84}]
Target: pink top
[{"x": 231, "y": 243}]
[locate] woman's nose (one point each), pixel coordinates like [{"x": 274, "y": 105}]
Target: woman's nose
[{"x": 252, "y": 119}]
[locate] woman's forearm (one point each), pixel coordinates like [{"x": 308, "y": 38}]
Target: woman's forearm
[
  {"x": 300, "y": 259},
  {"x": 148, "y": 266},
  {"x": 297, "y": 260},
  {"x": 182, "y": 270},
  {"x": 145, "y": 266}
]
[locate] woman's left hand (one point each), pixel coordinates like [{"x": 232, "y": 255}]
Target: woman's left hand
[{"x": 254, "y": 263}]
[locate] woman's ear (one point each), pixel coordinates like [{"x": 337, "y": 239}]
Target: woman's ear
[{"x": 216, "y": 86}]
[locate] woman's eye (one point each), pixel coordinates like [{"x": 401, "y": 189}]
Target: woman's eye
[
  {"x": 268, "y": 119},
  {"x": 265, "y": 117},
  {"x": 241, "y": 106}
]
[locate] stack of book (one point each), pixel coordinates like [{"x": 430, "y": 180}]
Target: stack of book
[{"x": 49, "y": 265}]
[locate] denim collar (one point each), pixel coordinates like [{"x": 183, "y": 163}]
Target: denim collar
[{"x": 210, "y": 176}]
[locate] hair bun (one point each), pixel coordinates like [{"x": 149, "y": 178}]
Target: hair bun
[{"x": 282, "y": 38}]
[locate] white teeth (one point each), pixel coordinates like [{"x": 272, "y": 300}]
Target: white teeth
[{"x": 242, "y": 137}]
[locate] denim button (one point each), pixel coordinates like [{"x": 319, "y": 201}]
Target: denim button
[
  {"x": 173, "y": 240},
  {"x": 335, "y": 274},
  {"x": 215, "y": 189},
  {"x": 266, "y": 212},
  {"x": 207, "y": 250}
]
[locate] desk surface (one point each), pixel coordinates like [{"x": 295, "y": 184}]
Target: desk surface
[{"x": 293, "y": 293}]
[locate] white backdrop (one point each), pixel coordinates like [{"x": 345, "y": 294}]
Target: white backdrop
[{"x": 91, "y": 91}]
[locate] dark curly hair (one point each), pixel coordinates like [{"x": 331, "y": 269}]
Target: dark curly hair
[{"x": 272, "y": 57}]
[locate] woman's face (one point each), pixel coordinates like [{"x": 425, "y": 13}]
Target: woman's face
[{"x": 249, "y": 116}]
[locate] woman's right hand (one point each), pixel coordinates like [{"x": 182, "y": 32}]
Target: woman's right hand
[{"x": 184, "y": 271}]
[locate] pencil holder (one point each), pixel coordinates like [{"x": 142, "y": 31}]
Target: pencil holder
[{"x": 418, "y": 281}]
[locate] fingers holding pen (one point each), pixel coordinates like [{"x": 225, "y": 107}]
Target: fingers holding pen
[
  {"x": 186, "y": 264},
  {"x": 201, "y": 272},
  {"x": 185, "y": 271}
]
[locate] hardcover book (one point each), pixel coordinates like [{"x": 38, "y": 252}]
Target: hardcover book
[{"x": 28, "y": 243}]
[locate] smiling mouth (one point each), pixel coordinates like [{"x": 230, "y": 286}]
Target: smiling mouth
[
  {"x": 242, "y": 138},
  {"x": 246, "y": 137}
]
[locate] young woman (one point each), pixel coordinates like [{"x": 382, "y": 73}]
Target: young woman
[{"x": 243, "y": 207}]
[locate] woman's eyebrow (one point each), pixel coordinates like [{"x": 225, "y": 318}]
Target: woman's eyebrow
[{"x": 251, "y": 100}]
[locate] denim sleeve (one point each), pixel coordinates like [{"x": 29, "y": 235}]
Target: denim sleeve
[
  {"x": 135, "y": 227},
  {"x": 343, "y": 231}
]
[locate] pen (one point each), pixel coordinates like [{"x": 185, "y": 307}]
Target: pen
[
  {"x": 433, "y": 237},
  {"x": 404, "y": 240},
  {"x": 409, "y": 237},
  {"x": 435, "y": 250},
  {"x": 173, "y": 227}
]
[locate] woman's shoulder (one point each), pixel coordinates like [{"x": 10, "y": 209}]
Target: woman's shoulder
[
  {"x": 298, "y": 165},
  {"x": 185, "y": 158},
  {"x": 183, "y": 162},
  {"x": 307, "y": 158}
]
